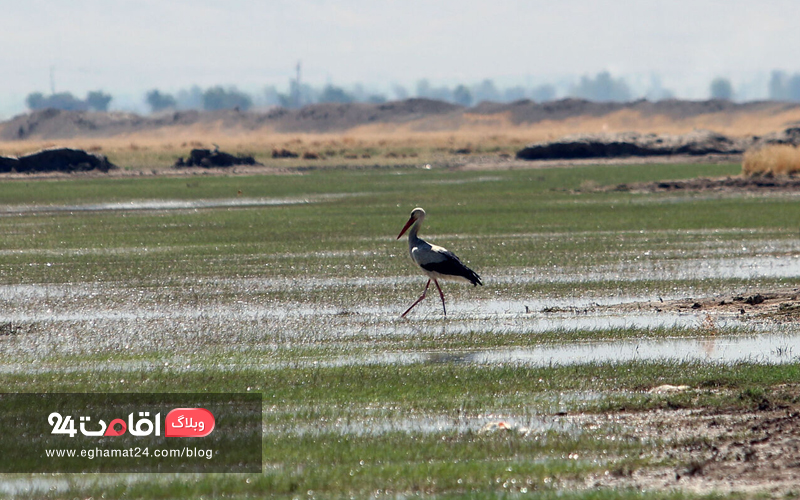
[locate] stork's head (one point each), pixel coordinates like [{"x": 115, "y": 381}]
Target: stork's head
[{"x": 416, "y": 215}]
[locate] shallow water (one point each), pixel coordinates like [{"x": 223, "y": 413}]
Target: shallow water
[
  {"x": 653, "y": 269},
  {"x": 772, "y": 349},
  {"x": 765, "y": 348},
  {"x": 427, "y": 424},
  {"x": 79, "y": 319},
  {"x": 41, "y": 485},
  {"x": 166, "y": 205},
  {"x": 334, "y": 312}
]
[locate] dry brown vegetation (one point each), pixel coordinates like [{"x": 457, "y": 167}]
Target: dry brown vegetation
[
  {"x": 153, "y": 150},
  {"x": 779, "y": 159},
  {"x": 420, "y": 141}
]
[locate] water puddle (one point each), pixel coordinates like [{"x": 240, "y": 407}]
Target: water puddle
[
  {"x": 49, "y": 485},
  {"x": 762, "y": 266},
  {"x": 427, "y": 424},
  {"x": 483, "y": 178},
  {"x": 744, "y": 268},
  {"x": 769, "y": 349},
  {"x": 167, "y": 204},
  {"x": 34, "y": 486}
]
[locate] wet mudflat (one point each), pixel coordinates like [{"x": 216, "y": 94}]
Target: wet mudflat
[{"x": 608, "y": 323}]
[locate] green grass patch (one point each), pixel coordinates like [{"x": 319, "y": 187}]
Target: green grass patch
[{"x": 431, "y": 386}]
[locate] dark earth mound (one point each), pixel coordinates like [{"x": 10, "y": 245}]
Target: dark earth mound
[
  {"x": 695, "y": 143},
  {"x": 207, "y": 158},
  {"x": 56, "y": 160},
  {"x": 699, "y": 142},
  {"x": 283, "y": 153}
]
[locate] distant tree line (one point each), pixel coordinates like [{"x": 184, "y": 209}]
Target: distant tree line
[
  {"x": 303, "y": 94},
  {"x": 600, "y": 87},
  {"x": 212, "y": 99},
  {"x": 484, "y": 91},
  {"x": 784, "y": 87},
  {"x": 96, "y": 100}
]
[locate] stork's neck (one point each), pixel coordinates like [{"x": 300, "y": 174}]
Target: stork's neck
[{"x": 412, "y": 233}]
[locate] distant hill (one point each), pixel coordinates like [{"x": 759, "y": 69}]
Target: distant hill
[
  {"x": 422, "y": 115},
  {"x": 526, "y": 111}
]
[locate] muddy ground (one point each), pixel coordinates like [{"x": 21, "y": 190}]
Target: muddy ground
[
  {"x": 762, "y": 183},
  {"x": 777, "y": 305},
  {"x": 744, "y": 451},
  {"x": 747, "y": 451}
]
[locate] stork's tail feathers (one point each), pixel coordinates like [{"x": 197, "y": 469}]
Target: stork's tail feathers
[{"x": 473, "y": 277}]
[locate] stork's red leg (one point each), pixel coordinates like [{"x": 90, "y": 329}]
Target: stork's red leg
[
  {"x": 441, "y": 294},
  {"x": 424, "y": 292}
]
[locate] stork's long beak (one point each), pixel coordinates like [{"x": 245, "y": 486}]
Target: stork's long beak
[{"x": 405, "y": 228}]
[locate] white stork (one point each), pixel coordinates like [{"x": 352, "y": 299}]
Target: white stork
[{"x": 435, "y": 261}]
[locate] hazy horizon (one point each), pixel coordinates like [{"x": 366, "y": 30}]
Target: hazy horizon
[{"x": 127, "y": 47}]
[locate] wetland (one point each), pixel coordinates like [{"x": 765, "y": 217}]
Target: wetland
[{"x": 633, "y": 343}]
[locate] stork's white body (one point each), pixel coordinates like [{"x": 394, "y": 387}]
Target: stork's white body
[{"x": 435, "y": 261}]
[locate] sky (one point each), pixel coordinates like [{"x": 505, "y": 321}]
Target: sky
[{"x": 127, "y": 47}]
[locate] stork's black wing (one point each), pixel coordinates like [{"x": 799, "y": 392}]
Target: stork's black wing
[{"x": 451, "y": 265}]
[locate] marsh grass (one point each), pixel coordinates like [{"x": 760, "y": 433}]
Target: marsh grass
[
  {"x": 403, "y": 460},
  {"x": 778, "y": 159},
  {"x": 430, "y": 386},
  {"x": 505, "y": 484},
  {"x": 514, "y": 220}
]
